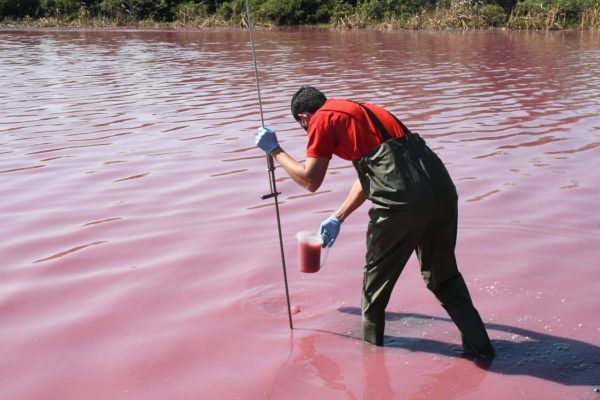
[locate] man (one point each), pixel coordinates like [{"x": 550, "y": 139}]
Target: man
[{"x": 414, "y": 205}]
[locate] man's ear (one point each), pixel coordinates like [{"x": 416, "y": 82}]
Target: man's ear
[
  {"x": 303, "y": 121},
  {"x": 306, "y": 117}
]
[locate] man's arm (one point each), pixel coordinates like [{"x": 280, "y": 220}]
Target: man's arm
[
  {"x": 309, "y": 174},
  {"x": 330, "y": 228},
  {"x": 355, "y": 199}
]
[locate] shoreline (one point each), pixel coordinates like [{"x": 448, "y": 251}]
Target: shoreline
[
  {"x": 378, "y": 15},
  {"x": 4, "y": 27},
  {"x": 424, "y": 24}
]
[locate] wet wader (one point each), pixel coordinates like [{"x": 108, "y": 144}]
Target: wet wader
[{"x": 414, "y": 208}]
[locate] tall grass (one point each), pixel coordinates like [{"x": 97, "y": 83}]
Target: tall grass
[
  {"x": 342, "y": 14},
  {"x": 555, "y": 14},
  {"x": 459, "y": 14},
  {"x": 590, "y": 18}
]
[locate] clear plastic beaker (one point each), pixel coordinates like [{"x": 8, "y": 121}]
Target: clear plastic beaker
[{"x": 309, "y": 251}]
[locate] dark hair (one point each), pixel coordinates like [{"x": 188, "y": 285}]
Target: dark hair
[{"x": 307, "y": 99}]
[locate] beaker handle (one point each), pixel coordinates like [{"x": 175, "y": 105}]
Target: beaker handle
[{"x": 326, "y": 255}]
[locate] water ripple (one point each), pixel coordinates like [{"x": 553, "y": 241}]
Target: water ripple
[{"x": 69, "y": 251}]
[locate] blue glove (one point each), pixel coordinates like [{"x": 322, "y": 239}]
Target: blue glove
[
  {"x": 266, "y": 139},
  {"x": 330, "y": 228}
]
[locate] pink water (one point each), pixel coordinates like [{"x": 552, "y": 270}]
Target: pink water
[{"x": 137, "y": 260}]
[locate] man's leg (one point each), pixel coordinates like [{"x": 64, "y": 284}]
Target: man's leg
[
  {"x": 391, "y": 238},
  {"x": 440, "y": 272}
]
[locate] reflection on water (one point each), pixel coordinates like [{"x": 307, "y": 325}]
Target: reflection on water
[{"x": 135, "y": 245}]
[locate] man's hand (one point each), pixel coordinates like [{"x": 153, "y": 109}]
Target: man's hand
[
  {"x": 266, "y": 139},
  {"x": 330, "y": 228}
]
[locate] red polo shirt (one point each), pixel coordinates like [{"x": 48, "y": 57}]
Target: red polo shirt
[{"x": 343, "y": 128}]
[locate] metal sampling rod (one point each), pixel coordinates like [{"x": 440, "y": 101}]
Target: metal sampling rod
[{"x": 271, "y": 169}]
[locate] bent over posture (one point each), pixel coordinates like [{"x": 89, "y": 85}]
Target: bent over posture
[{"x": 414, "y": 205}]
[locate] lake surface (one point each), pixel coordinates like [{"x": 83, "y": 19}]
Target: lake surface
[{"x": 137, "y": 260}]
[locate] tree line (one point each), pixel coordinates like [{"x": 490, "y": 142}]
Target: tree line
[{"x": 391, "y": 14}]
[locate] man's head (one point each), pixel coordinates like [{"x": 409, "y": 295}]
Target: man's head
[{"x": 306, "y": 101}]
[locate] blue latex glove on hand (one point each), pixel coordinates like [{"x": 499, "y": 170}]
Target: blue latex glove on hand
[
  {"x": 266, "y": 139},
  {"x": 330, "y": 228}
]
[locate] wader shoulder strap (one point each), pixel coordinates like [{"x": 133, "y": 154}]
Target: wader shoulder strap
[
  {"x": 404, "y": 128},
  {"x": 385, "y": 135}
]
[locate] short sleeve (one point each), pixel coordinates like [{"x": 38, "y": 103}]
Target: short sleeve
[{"x": 321, "y": 138}]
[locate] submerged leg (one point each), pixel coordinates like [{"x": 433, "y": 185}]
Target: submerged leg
[
  {"x": 454, "y": 297},
  {"x": 391, "y": 239},
  {"x": 441, "y": 275}
]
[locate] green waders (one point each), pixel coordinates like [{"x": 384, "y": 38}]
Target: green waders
[{"x": 414, "y": 208}]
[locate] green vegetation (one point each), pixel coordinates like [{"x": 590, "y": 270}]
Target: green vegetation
[{"x": 381, "y": 14}]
